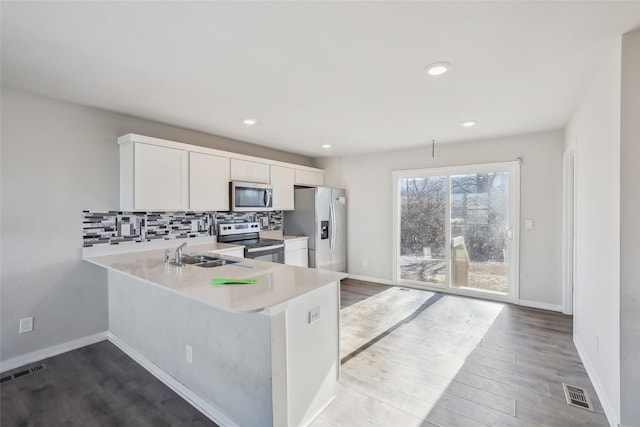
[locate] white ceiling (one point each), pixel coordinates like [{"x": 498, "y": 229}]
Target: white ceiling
[{"x": 350, "y": 74}]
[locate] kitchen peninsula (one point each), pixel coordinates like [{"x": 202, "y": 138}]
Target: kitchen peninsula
[{"x": 246, "y": 355}]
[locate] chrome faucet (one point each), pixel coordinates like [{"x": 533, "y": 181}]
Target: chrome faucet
[{"x": 178, "y": 260}]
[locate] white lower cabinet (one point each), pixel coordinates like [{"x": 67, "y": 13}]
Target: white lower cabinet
[{"x": 296, "y": 252}]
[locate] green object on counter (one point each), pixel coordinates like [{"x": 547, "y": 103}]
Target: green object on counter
[{"x": 234, "y": 281}]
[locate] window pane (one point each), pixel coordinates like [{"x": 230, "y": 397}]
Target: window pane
[
  {"x": 479, "y": 219},
  {"x": 422, "y": 229}
]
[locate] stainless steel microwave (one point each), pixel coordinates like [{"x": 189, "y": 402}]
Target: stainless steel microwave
[{"x": 250, "y": 196}]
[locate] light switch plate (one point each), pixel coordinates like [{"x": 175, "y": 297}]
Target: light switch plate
[{"x": 528, "y": 224}]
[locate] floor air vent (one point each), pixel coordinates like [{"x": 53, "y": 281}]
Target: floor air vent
[
  {"x": 577, "y": 397},
  {"x": 21, "y": 373}
]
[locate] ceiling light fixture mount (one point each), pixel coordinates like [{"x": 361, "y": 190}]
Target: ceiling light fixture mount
[
  {"x": 469, "y": 123},
  {"x": 326, "y": 145},
  {"x": 437, "y": 68},
  {"x": 249, "y": 122}
]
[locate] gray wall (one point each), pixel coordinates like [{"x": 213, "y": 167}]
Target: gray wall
[
  {"x": 58, "y": 159},
  {"x": 368, "y": 182},
  {"x": 605, "y": 133},
  {"x": 630, "y": 231},
  {"x": 594, "y": 133}
]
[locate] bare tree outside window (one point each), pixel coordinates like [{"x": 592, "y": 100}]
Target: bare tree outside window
[
  {"x": 479, "y": 218},
  {"x": 422, "y": 229}
]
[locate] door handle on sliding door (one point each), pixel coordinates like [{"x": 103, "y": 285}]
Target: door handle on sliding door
[{"x": 509, "y": 233}]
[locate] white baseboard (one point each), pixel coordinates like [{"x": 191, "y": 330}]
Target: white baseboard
[
  {"x": 311, "y": 421},
  {"x": 183, "y": 391},
  {"x": 611, "y": 415},
  {"x": 371, "y": 279},
  {"x": 542, "y": 305},
  {"x": 526, "y": 303},
  {"x": 48, "y": 352}
]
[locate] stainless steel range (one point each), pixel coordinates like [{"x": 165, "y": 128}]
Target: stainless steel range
[{"x": 248, "y": 235}]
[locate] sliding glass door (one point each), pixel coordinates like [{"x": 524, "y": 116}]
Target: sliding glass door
[
  {"x": 456, "y": 229},
  {"x": 423, "y": 234}
]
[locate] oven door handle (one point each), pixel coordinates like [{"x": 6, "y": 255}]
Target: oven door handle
[{"x": 265, "y": 248}]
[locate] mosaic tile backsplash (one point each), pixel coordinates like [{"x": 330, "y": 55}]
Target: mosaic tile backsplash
[{"x": 115, "y": 227}]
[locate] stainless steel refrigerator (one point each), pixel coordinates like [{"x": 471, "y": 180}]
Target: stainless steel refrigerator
[{"x": 321, "y": 214}]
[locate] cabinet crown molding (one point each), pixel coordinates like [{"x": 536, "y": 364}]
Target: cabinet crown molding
[{"x": 132, "y": 137}]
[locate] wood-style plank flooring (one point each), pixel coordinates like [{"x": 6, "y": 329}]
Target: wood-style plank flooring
[
  {"x": 94, "y": 386},
  {"x": 409, "y": 358},
  {"x": 418, "y": 358},
  {"x": 353, "y": 291}
]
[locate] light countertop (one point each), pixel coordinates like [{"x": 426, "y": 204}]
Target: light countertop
[
  {"x": 278, "y": 283},
  {"x": 277, "y": 234},
  {"x": 290, "y": 238}
]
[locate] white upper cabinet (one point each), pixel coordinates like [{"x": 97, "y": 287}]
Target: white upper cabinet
[
  {"x": 153, "y": 177},
  {"x": 208, "y": 182},
  {"x": 309, "y": 178},
  {"x": 282, "y": 183},
  {"x": 245, "y": 170},
  {"x": 161, "y": 175}
]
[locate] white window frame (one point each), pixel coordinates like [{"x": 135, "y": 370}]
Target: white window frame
[{"x": 513, "y": 167}]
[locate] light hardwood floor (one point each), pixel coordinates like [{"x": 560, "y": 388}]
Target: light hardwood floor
[
  {"x": 418, "y": 358},
  {"x": 409, "y": 358}
]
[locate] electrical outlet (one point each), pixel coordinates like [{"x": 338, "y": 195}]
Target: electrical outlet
[
  {"x": 364, "y": 262},
  {"x": 189, "y": 354},
  {"x": 26, "y": 325},
  {"x": 314, "y": 314}
]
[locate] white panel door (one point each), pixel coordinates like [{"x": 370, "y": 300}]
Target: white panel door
[
  {"x": 161, "y": 178},
  {"x": 208, "y": 182}
]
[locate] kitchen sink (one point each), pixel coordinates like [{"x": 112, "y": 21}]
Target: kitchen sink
[
  {"x": 196, "y": 259},
  {"x": 216, "y": 263},
  {"x": 206, "y": 261}
]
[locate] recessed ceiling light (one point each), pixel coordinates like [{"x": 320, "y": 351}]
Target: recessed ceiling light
[
  {"x": 438, "y": 68},
  {"x": 469, "y": 123},
  {"x": 326, "y": 145},
  {"x": 249, "y": 122}
]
